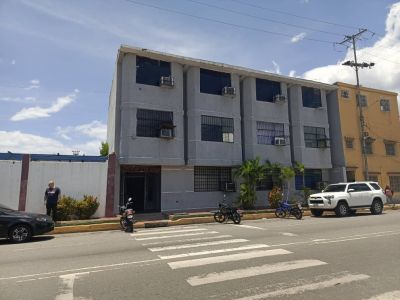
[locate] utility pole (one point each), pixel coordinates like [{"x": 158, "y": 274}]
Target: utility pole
[{"x": 356, "y": 65}]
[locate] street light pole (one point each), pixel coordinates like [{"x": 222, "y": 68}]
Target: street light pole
[{"x": 357, "y": 65}]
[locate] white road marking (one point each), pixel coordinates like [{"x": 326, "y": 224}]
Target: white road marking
[
  {"x": 225, "y": 258},
  {"x": 253, "y": 271},
  {"x": 249, "y": 226},
  {"x": 319, "y": 240},
  {"x": 189, "y": 240},
  {"x": 177, "y": 235},
  {"x": 185, "y": 246},
  {"x": 81, "y": 269},
  {"x": 249, "y": 247},
  {"x": 394, "y": 295},
  {"x": 142, "y": 233},
  {"x": 66, "y": 288},
  {"x": 309, "y": 287},
  {"x": 166, "y": 229},
  {"x": 288, "y": 234}
]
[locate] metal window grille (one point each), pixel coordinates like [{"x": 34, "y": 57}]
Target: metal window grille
[
  {"x": 216, "y": 129},
  {"x": 311, "y": 97},
  {"x": 314, "y": 137},
  {"x": 390, "y": 149},
  {"x": 266, "y": 90},
  {"x": 362, "y": 100},
  {"x": 395, "y": 183},
  {"x": 266, "y": 132},
  {"x": 345, "y": 94},
  {"x": 368, "y": 147},
  {"x": 349, "y": 143},
  {"x": 265, "y": 184},
  {"x": 211, "y": 179},
  {"x": 385, "y": 105},
  {"x": 149, "y": 122},
  {"x": 311, "y": 179}
]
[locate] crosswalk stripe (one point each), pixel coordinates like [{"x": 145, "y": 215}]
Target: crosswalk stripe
[
  {"x": 189, "y": 240},
  {"x": 206, "y": 252},
  {"x": 387, "y": 296},
  {"x": 176, "y": 235},
  {"x": 253, "y": 271},
  {"x": 225, "y": 258},
  {"x": 166, "y": 231},
  {"x": 169, "y": 228},
  {"x": 185, "y": 246},
  {"x": 249, "y": 226},
  {"x": 310, "y": 287}
]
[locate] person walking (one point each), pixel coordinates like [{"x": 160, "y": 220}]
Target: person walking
[
  {"x": 389, "y": 195},
  {"x": 51, "y": 197}
]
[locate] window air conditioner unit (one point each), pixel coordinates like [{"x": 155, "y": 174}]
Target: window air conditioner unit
[
  {"x": 166, "y": 133},
  {"x": 279, "y": 98},
  {"x": 229, "y": 187},
  {"x": 167, "y": 81},
  {"x": 279, "y": 141},
  {"x": 228, "y": 91}
]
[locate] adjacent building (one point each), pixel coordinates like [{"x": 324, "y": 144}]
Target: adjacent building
[
  {"x": 382, "y": 134},
  {"x": 178, "y": 126}
]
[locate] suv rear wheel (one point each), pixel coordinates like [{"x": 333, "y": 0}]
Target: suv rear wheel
[
  {"x": 376, "y": 207},
  {"x": 342, "y": 209},
  {"x": 316, "y": 212}
]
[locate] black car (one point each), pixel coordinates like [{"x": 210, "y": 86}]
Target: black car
[{"x": 19, "y": 226}]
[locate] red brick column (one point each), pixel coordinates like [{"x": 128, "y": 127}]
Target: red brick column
[
  {"x": 110, "y": 185},
  {"x": 24, "y": 182}
]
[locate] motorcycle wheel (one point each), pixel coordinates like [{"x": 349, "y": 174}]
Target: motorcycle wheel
[
  {"x": 280, "y": 213},
  {"x": 123, "y": 223},
  {"x": 298, "y": 214},
  {"x": 236, "y": 218},
  {"x": 219, "y": 217}
]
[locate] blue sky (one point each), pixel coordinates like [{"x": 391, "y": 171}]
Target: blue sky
[{"x": 57, "y": 57}]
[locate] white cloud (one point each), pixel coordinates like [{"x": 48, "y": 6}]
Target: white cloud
[
  {"x": 19, "y": 142},
  {"x": 385, "y": 53},
  {"x": 13, "y": 62},
  {"x": 305, "y": 1},
  {"x": 35, "y": 81},
  {"x": 292, "y": 73},
  {"x": 298, "y": 37},
  {"x": 94, "y": 129},
  {"x": 18, "y": 99},
  {"x": 277, "y": 69},
  {"x": 40, "y": 112},
  {"x": 34, "y": 84}
]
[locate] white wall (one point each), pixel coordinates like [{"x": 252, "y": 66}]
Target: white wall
[
  {"x": 75, "y": 179},
  {"x": 10, "y": 177}
]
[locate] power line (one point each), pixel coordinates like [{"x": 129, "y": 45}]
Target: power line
[
  {"x": 263, "y": 18},
  {"x": 294, "y": 15},
  {"x": 223, "y": 22}
]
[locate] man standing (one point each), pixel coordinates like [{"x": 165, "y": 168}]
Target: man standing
[{"x": 51, "y": 197}]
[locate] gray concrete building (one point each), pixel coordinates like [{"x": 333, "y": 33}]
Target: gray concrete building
[{"x": 178, "y": 126}]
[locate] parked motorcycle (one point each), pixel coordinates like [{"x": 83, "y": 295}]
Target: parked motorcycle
[
  {"x": 286, "y": 208},
  {"x": 226, "y": 212},
  {"x": 127, "y": 219}
]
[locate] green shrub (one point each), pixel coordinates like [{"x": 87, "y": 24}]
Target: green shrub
[
  {"x": 69, "y": 208},
  {"x": 274, "y": 197}
]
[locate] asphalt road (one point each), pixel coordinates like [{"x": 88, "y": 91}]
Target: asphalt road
[{"x": 314, "y": 258}]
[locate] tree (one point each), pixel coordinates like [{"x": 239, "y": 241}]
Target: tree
[
  {"x": 287, "y": 173},
  {"x": 252, "y": 171},
  {"x": 104, "y": 149}
]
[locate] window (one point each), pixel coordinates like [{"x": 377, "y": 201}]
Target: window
[
  {"x": 315, "y": 137},
  {"x": 375, "y": 186},
  {"x": 373, "y": 178},
  {"x": 311, "y": 97},
  {"x": 265, "y": 184},
  {"x": 349, "y": 142},
  {"x": 345, "y": 94},
  {"x": 368, "y": 146},
  {"x": 150, "y": 122},
  {"x": 335, "y": 188},
  {"x": 351, "y": 176},
  {"x": 266, "y": 90},
  {"x": 266, "y": 132},
  {"x": 395, "y": 182},
  {"x": 390, "y": 148},
  {"x": 385, "y": 105},
  {"x": 362, "y": 100},
  {"x": 211, "y": 179},
  {"x": 312, "y": 178},
  {"x": 149, "y": 71},
  {"x": 216, "y": 129},
  {"x": 212, "y": 82},
  {"x": 359, "y": 187}
]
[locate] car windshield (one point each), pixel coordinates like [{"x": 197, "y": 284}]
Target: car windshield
[{"x": 335, "y": 188}]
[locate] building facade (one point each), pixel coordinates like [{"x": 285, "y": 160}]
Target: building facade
[
  {"x": 179, "y": 126},
  {"x": 382, "y": 134}
]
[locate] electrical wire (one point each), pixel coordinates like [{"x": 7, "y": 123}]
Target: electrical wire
[{"x": 223, "y": 22}]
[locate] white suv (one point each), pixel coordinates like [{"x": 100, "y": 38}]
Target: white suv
[{"x": 346, "y": 198}]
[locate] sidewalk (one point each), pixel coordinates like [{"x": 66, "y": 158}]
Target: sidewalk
[{"x": 163, "y": 220}]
